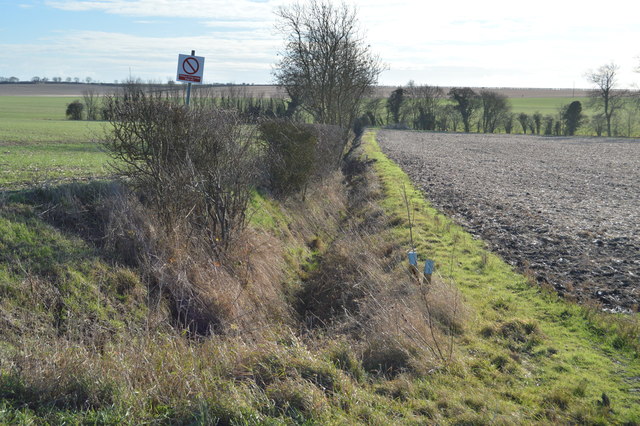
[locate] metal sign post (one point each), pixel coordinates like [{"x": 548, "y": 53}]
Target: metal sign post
[
  {"x": 190, "y": 68},
  {"x": 193, "y": 52}
]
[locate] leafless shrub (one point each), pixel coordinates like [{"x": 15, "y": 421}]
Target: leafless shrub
[
  {"x": 331, "y": 142},
  {"x": 194, "y": 166},
  {"x": 291, "y": 149},
  {"x": 91, "y": 102}
]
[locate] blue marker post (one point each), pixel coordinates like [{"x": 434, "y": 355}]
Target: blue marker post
[
  {"x": 429, "y": 266},
  {"x": 413, "y": 262}
]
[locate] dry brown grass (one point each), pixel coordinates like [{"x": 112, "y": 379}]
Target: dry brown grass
[
  {"x": 147, "y": 376},
  {"x": 223, "y": 341},
  {"x": 362, "y": 288},
  {"x": 238, "y": 292}
]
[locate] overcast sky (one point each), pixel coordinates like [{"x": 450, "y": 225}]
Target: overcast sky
[{"x": 487, "y": 43}]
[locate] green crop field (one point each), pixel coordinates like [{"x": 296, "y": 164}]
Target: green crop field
[
  {"x": 545, "y": 105},
  {"x": 38, "y": 144}
]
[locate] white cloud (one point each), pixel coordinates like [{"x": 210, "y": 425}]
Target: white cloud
[
  {"x": 199, "y": 9},
  {"x": 553, "y": 43},
  {"x": 492, "y": 43},
  {"x": 106, "y": 56}
]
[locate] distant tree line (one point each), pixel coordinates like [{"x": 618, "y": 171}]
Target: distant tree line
[
  {"x": 615, "y": 111},
  {"x": 463, "y": 109},
  {"x": 249, "y": 108},
  {"x": 38, "y": 79}
]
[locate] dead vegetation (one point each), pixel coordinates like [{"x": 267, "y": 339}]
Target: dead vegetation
[{"x": 284, "y": 335}]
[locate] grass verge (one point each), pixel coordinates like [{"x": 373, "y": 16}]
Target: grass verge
[{"x": 525, "y": 346}]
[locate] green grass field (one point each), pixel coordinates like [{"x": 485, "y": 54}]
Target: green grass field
[
  {"x": 545, "y": 105},
  {"x": 38, "y": 144}
]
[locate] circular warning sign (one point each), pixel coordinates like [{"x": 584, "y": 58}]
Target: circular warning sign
[
  {"x": 190, "y": 68},
  {"x": 190, "y": 65}
]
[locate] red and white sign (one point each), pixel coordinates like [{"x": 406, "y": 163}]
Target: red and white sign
[{"x": 190, "y": 68}]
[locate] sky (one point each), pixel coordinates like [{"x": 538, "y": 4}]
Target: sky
[{"x": 489, "y": 43}]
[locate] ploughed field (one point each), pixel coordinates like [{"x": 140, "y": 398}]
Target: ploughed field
[{"x": 566, "y": 210}]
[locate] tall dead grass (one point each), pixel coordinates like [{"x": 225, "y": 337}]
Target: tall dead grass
[
  {"x": 225, "y": 343},
  {"x": 362, "y": 288},
  {"x": 238, "y": 291},
  {"x": 167, "y": 376}
]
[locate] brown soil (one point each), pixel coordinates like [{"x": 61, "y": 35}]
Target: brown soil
[
  {"x": 258, "y": 90},
  {"x": 565, "y": 209},
  {"x": 76, "y": 89}
]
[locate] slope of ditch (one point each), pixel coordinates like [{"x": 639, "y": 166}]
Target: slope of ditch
[{"x": 567, "y": 210}]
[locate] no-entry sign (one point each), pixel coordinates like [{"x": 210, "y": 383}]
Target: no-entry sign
[{"x": 190, "y": 68}]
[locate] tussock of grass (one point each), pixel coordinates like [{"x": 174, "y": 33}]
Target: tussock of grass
[{"x": 55, "y": 283}]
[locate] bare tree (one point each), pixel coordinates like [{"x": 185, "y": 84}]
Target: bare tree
[
  {"x": 494, "y": 108},
  {"x": 523, "y": 118},
  {"x": 508, "y": 121},
  {"x": 548, "y": 125},
  {"x": 449, "y": 118},
  {"x": 91, "y": 103},
  {"x": 467, "y": 103},
  {"x": 424, "y": 104},
  {"x": 537, "y": 121},
  {"x": 326, "y": 65},
  {"x": 605, "y": 97}
]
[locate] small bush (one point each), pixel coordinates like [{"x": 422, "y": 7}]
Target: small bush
[
  {"x": 291, "y": 151},
  {"x": 195, "y": 166},
  {"x": 386, "y": 356},
  {"x": 74, "y": 110}
]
